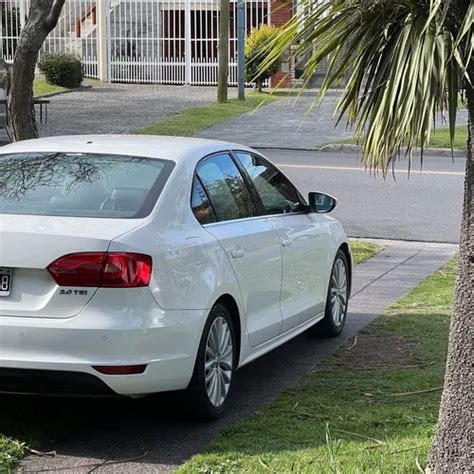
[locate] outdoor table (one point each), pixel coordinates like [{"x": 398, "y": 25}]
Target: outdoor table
[
  {"x": 42, "y": 102},
  {"x": 37, "y": 101}
]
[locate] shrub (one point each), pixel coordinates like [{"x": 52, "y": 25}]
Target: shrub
[
  {"x": 255, "y": 53},
  {"x": 62, "y": 69}
]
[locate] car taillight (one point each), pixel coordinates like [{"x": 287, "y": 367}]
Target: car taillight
[
  {"x": 102, "y": 269},
  {"x": 78, "y": 269},
  {"x": 126, "y": 270}
]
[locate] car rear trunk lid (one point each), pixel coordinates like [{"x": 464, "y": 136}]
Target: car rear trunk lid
[{"x": 28, "y": 244}]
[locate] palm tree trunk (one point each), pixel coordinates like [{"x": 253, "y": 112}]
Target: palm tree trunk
[{"x": 452, "y": 450}]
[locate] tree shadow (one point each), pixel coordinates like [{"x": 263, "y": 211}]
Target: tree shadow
[{"x": 159, "y": 425}]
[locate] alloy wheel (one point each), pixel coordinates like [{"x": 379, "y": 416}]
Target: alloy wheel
[
  {"x": 338, "y": 292},
  {"x": 218, "y": 361}
]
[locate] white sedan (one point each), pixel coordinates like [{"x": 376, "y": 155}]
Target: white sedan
[{"x": 133, "y": 265}]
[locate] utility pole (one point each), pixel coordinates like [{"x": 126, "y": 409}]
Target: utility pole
[
  {"x": 241, "y": 48},
  {"x": 223, "y": 51}
]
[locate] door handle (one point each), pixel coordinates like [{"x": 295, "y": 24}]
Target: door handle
[
  {"x": 237, "y": 253},
  {"x": 286, "y": 242}
]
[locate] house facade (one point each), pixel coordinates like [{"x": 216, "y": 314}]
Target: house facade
[{"x": 146, "y": 41}]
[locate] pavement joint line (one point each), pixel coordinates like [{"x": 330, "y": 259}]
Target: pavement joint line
[
  {"x": 408, "y": 241},
  {"x": 353, "y": 168},
  {"x": 387, "y": 272}
]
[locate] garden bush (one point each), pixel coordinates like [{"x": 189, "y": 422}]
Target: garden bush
[
  {"x": 62, "y": 69},
  {"x": 255, "y": 53}
]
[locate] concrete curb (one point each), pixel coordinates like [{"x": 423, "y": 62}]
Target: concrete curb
[
  {"x": 349, "y": 148},
  {"x": 355, "y": 149},
  {"x": 68, "y": 91}
]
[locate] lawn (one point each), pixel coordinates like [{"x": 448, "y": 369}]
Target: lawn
[
  {"x": 363, "y": 250},
  {"x": 193, "y": 120},
  {"x": 22, "y": 419},
  {"x": 371, "y": 407},
  {"x": 43, "y": 87},
  {"x": 439, "y": 138}
]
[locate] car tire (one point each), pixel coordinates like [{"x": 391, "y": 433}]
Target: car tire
[
  {"x": 337, "y": 300},
  {"x": 213, "y": 374}
]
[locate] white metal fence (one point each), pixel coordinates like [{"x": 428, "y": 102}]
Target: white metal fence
[
  {"x": 75, "y": 32},
  {"x": 147, "y": 41}
]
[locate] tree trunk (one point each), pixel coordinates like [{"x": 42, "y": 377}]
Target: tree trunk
[
  {"x": 42, "y": 18},
  {"x": 452, "y": 450},
  {"x": 223, "y": 51},
  {"x": 5, "y": 75}
]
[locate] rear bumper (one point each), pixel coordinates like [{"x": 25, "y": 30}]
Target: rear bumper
[
  {"x": 139, "y": 332},
  {"x": 51, "y": 382}
]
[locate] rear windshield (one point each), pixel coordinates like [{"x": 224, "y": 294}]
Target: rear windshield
[{"x": 80, "y": 184}]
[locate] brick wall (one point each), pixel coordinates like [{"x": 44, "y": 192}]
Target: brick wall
[{"x": 281, "y": 13}]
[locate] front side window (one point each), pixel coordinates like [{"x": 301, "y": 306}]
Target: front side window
[
  {"x": 226, "y": 188},
  {"x": 277, "y": 194},
  {"x": 80, "y": 184}
]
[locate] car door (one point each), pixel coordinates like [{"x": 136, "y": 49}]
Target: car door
[
  {"x": 302, "y": 236},
  {"x": 249, "y": 240}
]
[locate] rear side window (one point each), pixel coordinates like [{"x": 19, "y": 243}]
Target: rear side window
[
  {"x": 201, "y": 205},
  {"x": 226, "y": 188},
  {"x": 80, "y": 184}
]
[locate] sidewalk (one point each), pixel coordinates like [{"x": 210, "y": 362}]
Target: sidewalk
[{"x": 153, "y": 431}]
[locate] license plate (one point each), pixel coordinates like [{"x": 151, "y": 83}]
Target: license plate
[{"x": 5, "y": 281}]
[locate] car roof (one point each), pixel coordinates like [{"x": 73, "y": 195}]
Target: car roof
[{"x": 172, "y": 148}]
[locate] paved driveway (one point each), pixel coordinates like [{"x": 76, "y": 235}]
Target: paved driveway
[
  {"x": 153, "y": 429},
  {"x": 120, "y": 108},
  {"x": 287, "y": 123}
]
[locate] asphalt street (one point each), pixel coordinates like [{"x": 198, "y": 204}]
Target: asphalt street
[
  {"x": 423, "y": 206},
  {"x": 151, "y": 435}
]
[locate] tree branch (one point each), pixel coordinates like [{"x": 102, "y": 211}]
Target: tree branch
[{"x": 53, "y": 17}]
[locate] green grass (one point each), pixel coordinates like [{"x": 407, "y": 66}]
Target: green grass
[
  {"x": 43, "y": 87},
  {"x": 439, "y": 138},
  {"x": 193, "y": 120},
  {"x": 10, "y": 452},
  {"x": 363, "y": 250},
  {"x": 370, "y": 408},
  {"x": 33, "y": 422}
]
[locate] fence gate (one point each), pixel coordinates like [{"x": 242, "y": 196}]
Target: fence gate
[{"x": 173, "y": 41}]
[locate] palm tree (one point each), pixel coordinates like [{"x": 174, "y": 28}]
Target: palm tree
[{"x": 403, "y": 61}]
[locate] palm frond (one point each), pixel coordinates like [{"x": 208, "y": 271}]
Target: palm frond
[{"x": 401, "y": 60}]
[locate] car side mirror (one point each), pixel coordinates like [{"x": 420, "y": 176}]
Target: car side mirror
[{"x": 321, "y": 203}]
